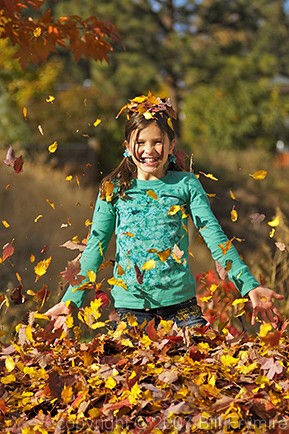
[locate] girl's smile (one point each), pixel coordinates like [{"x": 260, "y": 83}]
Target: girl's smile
[{"x": 150, "y": 149}]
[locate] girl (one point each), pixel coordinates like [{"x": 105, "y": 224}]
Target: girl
[{"x": 146, "y": 201}]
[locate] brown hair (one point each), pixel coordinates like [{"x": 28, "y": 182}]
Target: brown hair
[{"x": 125, "y": 171}]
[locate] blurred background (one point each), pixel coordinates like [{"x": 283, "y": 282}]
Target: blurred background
[{"x": 224, "y": 64}]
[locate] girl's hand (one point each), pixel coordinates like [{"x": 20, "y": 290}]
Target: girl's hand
[
  {"x": 58, "y": 314},
  {"x": 262, "y": 303}
]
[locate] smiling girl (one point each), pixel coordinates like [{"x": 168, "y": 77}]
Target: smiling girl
[{"x": 147, "y": 201}]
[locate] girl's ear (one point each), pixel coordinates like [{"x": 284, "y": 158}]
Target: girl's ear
[{"x": 172, "y": 145}]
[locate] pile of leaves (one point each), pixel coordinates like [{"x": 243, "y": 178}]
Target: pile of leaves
[{"x": 143, "y": 379}]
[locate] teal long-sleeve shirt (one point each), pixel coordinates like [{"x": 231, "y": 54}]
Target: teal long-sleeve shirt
[{"x": 151, "y": 228}]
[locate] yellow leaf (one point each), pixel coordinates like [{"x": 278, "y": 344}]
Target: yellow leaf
[
  {"x": 50, "y": 98},
  {"x": 37, "y": 32},
  {"x": 9, "y": 363},
  {"x": 275, "y": 222},
  {"x": 148, "y": 115},
  {"x": 149, "y": 265},
  {"x": 120, "y": 270},
  {"x": 42, "y": 266},
  {"x": 170, "y": 123},
  {"x": 5, "y": 224},
  {"x": 32, "y": 258},
  {"x": 206, "y": 299},
  {"x": 110, "y": 383},
  {"x": 8, "y": 379},
  {"x": 97, "y": 325},
  {"x": 100, "y": 248},
  {"x": 239, "y": 301},
  {"x": 259, "y": 175},
  {"x": 228, "y": 360},
  {"x": 96, "y": 122},
  {"x": 50, "y": 203},
  {"x": 264, "y": 329},
  {"x": 234, "y": 215},
  {"x": 128, "y": 234},
  {"x": 66, "y": 394},
  {"x": 87, "y": 223},
  {"x": 107, "y": 191},
  {"x": 91, "y": 276},
  {"x": 152, "y": 194},
  {"x": 41, "y": 316},
  {"x": 69, "y": 178},
  {"x": 174, "y": 209},
  {"x": 53, "y": 147},
  {"x": 163, "y": 254},
  {"x": 28, "y": 333},
  {"x": 69, "y": 321},
  {"x": 209, "y": 175},
  {"x": 213, "y": 288},
  {"x": 272, "y": 233},
  {"x": 135, "y": 393},
  {"x": 25, "y": 111},
  {"x": 117, "y": 282},
  {"x": 225, "y": 247},
  {"x": 38, "y": 218},
  {"x": 232, "y": 195}
]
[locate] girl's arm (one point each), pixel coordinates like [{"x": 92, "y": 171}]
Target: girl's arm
[
  {"x": 103, "y": 224},
  {"x": 226, "y": 255}
]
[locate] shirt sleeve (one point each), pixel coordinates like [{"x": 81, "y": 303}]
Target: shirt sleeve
[
  {"x": 103, "y": 224},
  {"x": 221, "y": 249}
]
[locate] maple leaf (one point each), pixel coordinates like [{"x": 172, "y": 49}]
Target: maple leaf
[
  {"x": 41, "y": 268},
  {"x": 70, "y": 274}
]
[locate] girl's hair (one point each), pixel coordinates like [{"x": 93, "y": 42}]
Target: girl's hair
[{"x": 126, "y": 170}]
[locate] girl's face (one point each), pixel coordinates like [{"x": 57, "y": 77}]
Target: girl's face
[{"x": 150, "y": 149}]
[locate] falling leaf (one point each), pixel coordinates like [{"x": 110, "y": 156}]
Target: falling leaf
[
  {"x": 25, "y": 111},
  {"x": 70, "y": 274},
  {"x": 117, "y": 282},
  {"x": 280, "y": 246},
  {"x": 120, "y": 270},
  {"x": 163, "y": 255},
  {"x": 272, "y": 233},
  {"x": 50, "y": 203},
  {"x": 5, "y": 224},
  {"x": 257, "y": 218},
  {"x": 139, "y": 274},
  {"x": 209, "y": 175},
  {"x": 107, "y": 191},
  {"x": 8, "y": 251},
  {"x": 232, "y": 195},
  {"x": 177, "y": 254},
  {"x": 128, "y": 234},
  {"x": 41, "y": 268},
  {"x": 68, "y": 178},
  {"x": 234, "y": 215},
  {"x": 40, "y": 129},
  {"x": 174, "y": 209},
  {"x": 96, "y": 122},
  {"x": 149, "y": 265},
  {"x": 50, "y": 99},
  {"x": 91, "y": 276},
  {"x": 226, "y": 247},
  {"x": 152, "y": 194},
  {"x": 239, "y": 301},
  {"x": 37, "y": 32},
  {"x": 53, "y": 147},
  {"x": 259, "y": 175},
  {"x": 13, "y": 161},
  {"x": 275, "y": 222},
  {"x": 38, "y": 218}
]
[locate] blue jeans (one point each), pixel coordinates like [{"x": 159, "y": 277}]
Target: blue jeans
[{"x": 187, "y": 314}]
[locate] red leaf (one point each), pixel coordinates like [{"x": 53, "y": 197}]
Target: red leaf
[
  {"x": 139, "y": 274},
  {"x": 103, "y": 297},
  {"x": 13, "y": 161},
  {"x": 16, "y": 295},
  {"x": 18, "y": 164},
  {"x": 8, "y": 251},
  {"x": 151, "y": 331}
]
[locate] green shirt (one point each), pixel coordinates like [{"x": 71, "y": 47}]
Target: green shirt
[{"x": 151, "y": 228}]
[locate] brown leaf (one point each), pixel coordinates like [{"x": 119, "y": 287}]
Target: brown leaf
[{"x": 70, "y": 274}]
